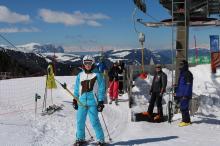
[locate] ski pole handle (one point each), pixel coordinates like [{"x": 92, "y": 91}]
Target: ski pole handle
[
  {"x": 65, "y": 87},
  {"x": 75, "y": 98}
]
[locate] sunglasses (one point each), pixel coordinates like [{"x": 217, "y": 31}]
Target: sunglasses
[{"x": 88, "y": 63}]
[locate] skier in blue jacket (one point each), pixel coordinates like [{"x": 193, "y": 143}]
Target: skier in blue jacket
[
  {"x": 184, "y": 92},
  {"x": 85, "y": 85},
  {"x": 101, "y": 66}
]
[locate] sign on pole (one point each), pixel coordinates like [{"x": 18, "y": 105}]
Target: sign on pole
[{"x": 215, "y": 54}]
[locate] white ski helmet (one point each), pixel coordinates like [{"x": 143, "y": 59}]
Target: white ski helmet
[{"x": 88, "y": 58}]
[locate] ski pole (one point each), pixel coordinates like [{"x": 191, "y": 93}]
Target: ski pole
[
  {"x": 64, "y": 87},
  {"x": 91, "y": 137},
  {"x": 45, "y": 95},
  {"x": 36, "y": 98},
  {"x": 110, "y": 139}
]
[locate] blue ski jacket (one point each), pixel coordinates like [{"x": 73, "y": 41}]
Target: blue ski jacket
[
  {"x": 101, "y": 67},
  {"x": 185, "y": 84},
  {"x": 88, "y": 84}
]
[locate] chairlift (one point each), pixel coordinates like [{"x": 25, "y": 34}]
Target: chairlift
[{"x": 141, "y": 5}]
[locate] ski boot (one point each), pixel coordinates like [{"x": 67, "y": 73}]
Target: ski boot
[
  {"x": 99, "y": 143},
  {"x": 111, "y": 100},
  {"x": 146, "y": 114},
  {"x": 182, "y": 124},
  {"x": 158, "y": 119},
  {"x": 79, "y": 143}
]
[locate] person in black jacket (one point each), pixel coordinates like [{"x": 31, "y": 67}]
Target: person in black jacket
[
  {"x": 113, "y": 83},
  {"x": 121, "y": 77},
  {"x": 158, "y": 87}
]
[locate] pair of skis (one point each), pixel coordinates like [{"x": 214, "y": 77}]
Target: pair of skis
[
  {"x": 51, "y": 109},
  {"x": 90, "y": 143}
]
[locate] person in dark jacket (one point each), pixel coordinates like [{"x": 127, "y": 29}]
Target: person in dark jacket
[
  {"x": 113, "y": 83},
  {"x": 121, "y": 77},
  {"x": 184, "y": 92},
  {"x": 157, "y": 90}
]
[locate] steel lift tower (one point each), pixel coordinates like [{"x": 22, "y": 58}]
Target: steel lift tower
[{"x": 185, "y": 14}]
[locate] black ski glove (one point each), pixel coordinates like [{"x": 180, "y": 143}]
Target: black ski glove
[
  {"x": 75, "y": 104},
  {"x": 100, "y": 106}
]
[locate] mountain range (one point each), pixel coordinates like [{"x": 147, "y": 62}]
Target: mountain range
[{"x": 32, "y": 59}]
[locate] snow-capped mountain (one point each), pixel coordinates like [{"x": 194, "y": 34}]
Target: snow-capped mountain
[
  {"x": 32, "y": 64},
  {"x": 36, "y": 48},
  {"x": 48, "y": 48},
  {"x": 129, "y": 56},
  {"x": 27, "y": 63}
]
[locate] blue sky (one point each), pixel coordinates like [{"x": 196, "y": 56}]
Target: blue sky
[{"x": 87, "y": 24}]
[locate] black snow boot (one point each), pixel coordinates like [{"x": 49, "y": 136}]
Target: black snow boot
[
  {"x": 79, "y": 143},
  {"x": 100, "y": 143}
]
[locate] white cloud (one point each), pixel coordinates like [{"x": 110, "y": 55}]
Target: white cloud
[
  {"x": 16, "y": 30},
  {"x": 72, "y": 19},
  {"x": 93, "y": 23},
  {"x": 8, "y": 16}
]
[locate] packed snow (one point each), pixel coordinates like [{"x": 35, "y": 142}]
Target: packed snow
[{"x": 20, "y": 126}]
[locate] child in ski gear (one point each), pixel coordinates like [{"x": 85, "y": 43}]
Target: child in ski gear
[
  {"x": 113, "y": 83},
  {"x": 158, "y": 87},
  {"x": 84, "y": 90},
  {"x": 184, "y": 92}
]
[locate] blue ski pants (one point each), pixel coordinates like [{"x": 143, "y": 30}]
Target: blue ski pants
[
  {"x": 94, "y": 119},
  {"x": 184, "y": 107}
]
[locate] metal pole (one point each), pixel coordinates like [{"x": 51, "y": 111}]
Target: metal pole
[
  {"x": 64, "y": 87},
  {"x": 89, "y": 133},
  {"x": 51, "y": 95},
  {"x": 142, "y": 56},
  {"x": 36, "y": 98},
  {"x": 110, "y": 139},
  {"x": 35, "y": 108},
  {"x": 196, "y": 49},
  {"x": 45, "y": 95}
]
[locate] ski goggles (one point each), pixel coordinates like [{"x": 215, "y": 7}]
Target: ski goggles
[{"x": 88, "y": 63}]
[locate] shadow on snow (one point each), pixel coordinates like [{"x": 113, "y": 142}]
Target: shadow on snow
[
  {"x": 207, "y": 121},
  {"x": 143, "y": 141}
]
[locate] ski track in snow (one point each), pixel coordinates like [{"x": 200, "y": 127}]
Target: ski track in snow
[{"x": 20, "y": 127}]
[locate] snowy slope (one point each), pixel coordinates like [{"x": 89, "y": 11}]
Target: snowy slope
[
  {"x": 20, "y": 127},
  {"x": 27, "y": 47},
  {"x": 60, "y": 57}
]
